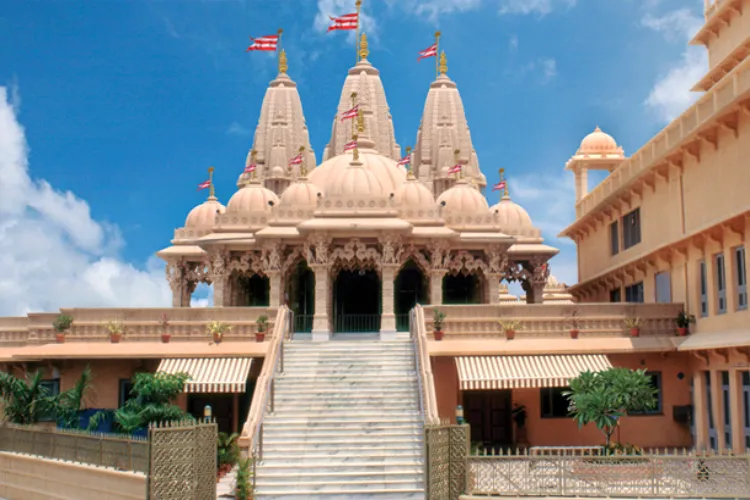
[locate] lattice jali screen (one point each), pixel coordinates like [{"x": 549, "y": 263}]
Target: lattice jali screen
[{"x": 447, "y": 447}]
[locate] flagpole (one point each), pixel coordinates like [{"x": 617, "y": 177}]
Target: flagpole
[
  {"x": 354, "y": 103},
  {"x": 356, "y": 42},
  {"x": 457, "y": 152},
  {"x": 278, "y": 47},
  {"x": 437, "y": 52},
  {"x": 211, "y": 190}
]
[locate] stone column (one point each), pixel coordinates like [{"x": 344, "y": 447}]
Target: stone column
[
  {"x": 388, "y": 317},
  {"x": 736, "y": 411},
  {"x": 493, "y": 288},
  {"x": 717, "y": 408},
  {"x": 535, "y": 293},
  {"x": 187, "y": 291},
  {"x": 582, "y": 182},
  {"x": 436, "y": 286},
  {"x": 175, "y": 275},
  {"x": 321, "y": 330},
  {"x": 700, "y": 412},
  {"x": 274, "y": 293}
]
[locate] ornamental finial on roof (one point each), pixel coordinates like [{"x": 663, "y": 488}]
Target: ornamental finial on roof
[
  {"x": 363, "y": 50},
  {"x": 302, "y": 169},
  {"x": 283, "y": 66},
  {"x": 211, "y": 191},
  {"x": 503, "y": 182},
  {"x": 443, "y": 68},
  {"x": 409, "y": 172},
  {"x": 253, "y": 155}
]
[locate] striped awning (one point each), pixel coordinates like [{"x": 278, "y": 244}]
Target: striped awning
[
  {"x": 210, "y": 375},
  {"x": 517, "y": 372}
]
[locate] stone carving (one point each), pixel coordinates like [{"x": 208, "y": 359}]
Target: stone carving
[
  {"x": 439, "y": 255},
  {"x": 217, "y": 260},
  {"x": 417, "y": 255},
  {"x": 539, "y": 269},
  {"x": 175, "y": 273},
  {"x": 270, "y": 258},
  {"x": 247, "y": 263},
  {"x": 465, "y": 263},
  {"x": 316, "y": 249},
  {"x": 294, "y": 256},
  {"x": 356, "y": 255},
  {"x": 514, "y": 271},
  {"x": 392, "y": 250},
  {"x": 497, "y": 261}
]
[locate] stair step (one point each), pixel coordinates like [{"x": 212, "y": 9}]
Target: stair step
[
  {"x": 340, "y": 472},
  {"x": 326, "y": 485},
  {"x": 369, "y": 449},
  {"x": 281, "y": 434},
  {"x": 343, "y": 421},
  {"x": 336, "y": 457}
]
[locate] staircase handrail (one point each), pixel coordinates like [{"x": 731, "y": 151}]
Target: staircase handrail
[
  {"x": 264, "y": 388},
  {"x": 431, "y": 416},
  {"x": 417, "y": 361}
]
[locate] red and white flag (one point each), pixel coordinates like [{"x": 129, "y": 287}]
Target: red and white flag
[
  {"x": 345, "y": 22},
  {"x": 250, "y": 168},
  {"x": 430, "y": 51},
  {"x": 352, "y": 113},
  {"x": 297, "y": 160},
  {"x": 455, "y": 169},
  {"x": 404, "y": 161},
  {"x": 350, "y": 146},
  {"x": 204, "y": 185},
  {"x": 264, "y": 43},
  {"x": 499, "y": 186}
]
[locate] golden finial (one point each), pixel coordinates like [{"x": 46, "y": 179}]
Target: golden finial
[
  {"x": 456, "y": 152},
  {"x": 502, "y": 179},
  {"x": 282, "y": 62},
  {"x": 302, "y": 169},
  {"x": 409, "y": 172},
  {"x": 360, "y": 121},
  {"x": 443, "y": 64},
  {"x": 211, "y": 191},
  {"x": 355, "y": 153},
  {"x": 253, "y": 156},
  {"x": 363, "y": 51}
]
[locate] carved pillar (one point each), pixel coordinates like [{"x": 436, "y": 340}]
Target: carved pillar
[
  {"x": 321, "y": 330},
  {"x": 493, "y": 287},
  {"x": 536, "y": 280},
  {"x": 736, "y": 411},
  {"x": 175, "y": 275},
  {"x": 187, "y": 292},
  {"x": 436, "y": 286},
  {"x": 717, "y": 408},
  {"x": 700, "y": 411},
  {"x": 274, "y": 294},
  {"x": 219, "y": 278},
  {"x": 388, "y": 317}
]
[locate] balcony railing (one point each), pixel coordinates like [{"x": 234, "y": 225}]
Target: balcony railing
[
  {"x": 303, "y": 323},
  {"x": 356, "y": 323}
]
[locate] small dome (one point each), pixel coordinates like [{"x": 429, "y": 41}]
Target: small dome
[
  {"x": 277, "y": 171},
  {"x": 385, "y": 170},
  {"x": 252, "y": 198},
  {"x": 552, "y": 283},
  {"x": 301, "y": 194},
  {"x": 356, "y": 181},
  {"x": 463, "y": 198},
  {"x": 204, "y": 215},
  {"x": 511, "y": 215},
  {"x": 598, "y": 142},
  {"x": 414, "y": 195}
]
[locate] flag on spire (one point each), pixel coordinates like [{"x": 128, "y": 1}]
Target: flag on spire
[
  {"x": 250, "y": 168},
  {"x": 499, "y": 186},
  {"x": 297, "y": 160},
  {"x": 264, "y": 43},
  {"x": 350, "y": 146},
  {"x": 430, "y": 51},
  {"x": 352, "y": 113},
  {"x": 345, "y": 22},
  {"x": 455, "y": 169},
  {"x": 404, "y": 161},
  {"x": 204, "y": 185}
]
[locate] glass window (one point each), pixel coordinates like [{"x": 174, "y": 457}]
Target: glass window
[
  {"x": 615, "y": 295},
  {"x": 703, "y": 288},
  {"x": 52, "y": 387},
  {"x": 631, "y": 229},
  {"x": 554, "y": 404},
  {"x": 634, "y": 293},
  {"x": 663, "y": 287},
  {"x": 658, "y": 409},
  {"x": 614, "y": 237},
  {"x": 126, "y": 386},
  {"x": 721, "y": 284},
  {"x": 740, "y": 269}
]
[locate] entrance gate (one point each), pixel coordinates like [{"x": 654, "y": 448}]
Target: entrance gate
[{"x": 356, "y": 302}]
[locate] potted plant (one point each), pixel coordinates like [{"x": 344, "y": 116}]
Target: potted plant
[
  {"x": 634, "y": 324},
  {"x": 262, "y": 324},
  {"x": 243, "y": 489},
  {"x": 575, "y": 325},
  {"x": 217, "y": 329},
  {"x": 61, "y": 324},
  {"x": 510, "y": 327},
  {"x": 116, "y": 330},
  {"x": 438, "y": 318},
  {"x": 519, "y": 417},
  {"x": 683, "y": 322},
  {"x": 164, "y": 323}
]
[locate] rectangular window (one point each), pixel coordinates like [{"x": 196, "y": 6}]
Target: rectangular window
[
  {"x": 703, "y": 288},
  {"x": 614, "y": 237},
  {"x": 740, "y": 270},
  {"x": 721, "y": 284},
  {"x": 554, "y": 404},
  {"x": 631, "y": 229},
  {"x": 126, "y": 386},
  {"x": 615, "y": 295},
  {"x": 52, "y": 387},
  {"x": 634, "y": 293},
  {"x": 663, "y": 287},
  {"x": 658, "y": 409}
]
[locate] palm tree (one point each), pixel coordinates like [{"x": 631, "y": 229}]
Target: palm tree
[{"x": 71, "y": 402}]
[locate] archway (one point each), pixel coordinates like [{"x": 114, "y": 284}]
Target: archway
[
  {"x": 462, "y": 289},
  {"x": 409, "y": 289},
  {"x": 253, "y": 291},
  {"x": 300, "y": 292},
  {"x": 356, "y": 302}
]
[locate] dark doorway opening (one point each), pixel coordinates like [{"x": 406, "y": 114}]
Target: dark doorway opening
[
  {"x": 409, "y": 289},
  {"x": 301, "y": 293},
  {"x": 490, "y": 415},
  {"x": 254, "y": 291},
  {"x": 229, "y": 410},
  {"x": 462, "y": 289},
  {"x": 356, "y": 302}
]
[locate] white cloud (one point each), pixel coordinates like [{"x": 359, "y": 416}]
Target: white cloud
[
  {"x": 203, "y": 296},
  {"x": 546, "y": 66},
  {"x": 433, "y": 9},
  {"x": 236, "y": 128},
  {"x": 549, "y": 68},
  {"x": 52, "y": 252},
  {"x": 541, "y": 7},
  {"x": 671, "y": 94},
  {"x": 335, "y": 8},
  {"x": 513, "y": 43}
]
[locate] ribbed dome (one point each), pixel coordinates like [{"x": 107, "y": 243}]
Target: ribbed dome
[
  {"x": 356, "y": 181},
  {"x": 204, "y": 215},
  {"x": 301, "y": 194},
  {"x": 598, "y": 142},
  {"x": 252, "y": 198},
  {"x": 414, "y": 195},
  {"x": 389, "y": 175},
  {"x": 463, "y": 198},
  {"x": 511, "y": 215}
]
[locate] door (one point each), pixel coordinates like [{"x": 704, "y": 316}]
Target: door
[{"x": 489, "y": 413}]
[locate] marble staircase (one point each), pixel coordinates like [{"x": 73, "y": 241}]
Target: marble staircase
[{"x": 346, "y": 424}]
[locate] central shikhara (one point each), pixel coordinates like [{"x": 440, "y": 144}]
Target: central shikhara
[{"x": 365, "y": 233}]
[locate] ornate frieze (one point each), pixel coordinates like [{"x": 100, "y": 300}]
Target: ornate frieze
[
  {"x": 175, "y": 273},
  {"x": 270, "y": 257},
  {"x": 539, "y": 269},
  {"x": 392, "y": 249},
  {"x": 246, "y": 263},
  {"x": 355, "y": 254},
  {"x": 465, "y": 263},
  {"x": 497, "y": 260},
  {"x": 439, "y": 256},
  {"x": 417, "y": 255},
  {"x": 317, "y": 249}
]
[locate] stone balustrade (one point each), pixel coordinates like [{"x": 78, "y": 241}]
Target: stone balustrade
[
  {"x": 141, "y": 324},
  {"x": 554, "y": 320}
]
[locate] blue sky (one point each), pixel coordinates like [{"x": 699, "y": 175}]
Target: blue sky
[{"x": 113, "y": 110}]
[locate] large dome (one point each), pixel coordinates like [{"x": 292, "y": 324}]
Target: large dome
[
  {"x": 598, "y": 142},
  {"x": 356, "y": 181},
  {"x": 252, "y": 198},
  {"x": 511, "y": 215},
  {"x": 389, "y": 175},
  {"x": 204, "y": 215},
  {"x": 463, "y": 198}
]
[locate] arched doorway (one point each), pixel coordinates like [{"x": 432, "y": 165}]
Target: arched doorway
[
  {"x": 300, "y": 291},
  {"x": 409, "y": 289},
  {"x": 253, "y": 291},
  {"x": 462, "y": 289},
  {"x": 356, "y": 302}
]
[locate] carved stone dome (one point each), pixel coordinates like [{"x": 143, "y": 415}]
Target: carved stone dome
[
  {"x": 388, "y": 174},
  {"x": 598, "y": 142},
  {"x": 510, "y": 215},
  {"x": 414, "y": 195},
  {"x": 302, "y": 194},
  {"x": 252, "y": 198},
  {"x": 204, "y": 215},
  {"x": 463, "y": 198},
  {"x": 356, "y": 181}
]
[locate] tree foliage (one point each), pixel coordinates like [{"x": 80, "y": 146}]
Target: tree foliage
[{"x": 603, "y": 397}]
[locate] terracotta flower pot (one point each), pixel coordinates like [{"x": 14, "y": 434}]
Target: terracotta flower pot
[
  {"x": 438, "y": 334},
  {"x": 510, "y": 334},
  {"x": 217, "y": 338},
  {"x": 115, "y": 337},
  {"x": 60, "y": 338},
  {"x": 682, "y": 331},
  {"x": 574, "y": 333},
  {"x": 635, "y": 332},
  {"x": 165, "y": 337},
  {"x": 260, "y": 336}
]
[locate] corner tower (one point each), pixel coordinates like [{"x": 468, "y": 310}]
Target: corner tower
[
  {"x": 280, "y": 133},
  {"x": 364, "y": 81},
  {"x": 442, "y": 131}
]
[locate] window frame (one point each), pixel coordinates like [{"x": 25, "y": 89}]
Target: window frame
[
  {"x": 614, "y": 237},
  {"x": 703, "y": 287},
  {"x": 122, "y": 394},
  {"x": 720, "y": 282},
  {"x": 668, "y": 275},
  {"x": 551, "y": 393},
  {"x": 628, "y": 293},
  {"x": 53, "y": 389},
  {"x": 615, "y": 292},
  {"x": 740, "y": 280},
  {"x": 659, "y": 409},
  {"x": 631, "y": 229}
]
